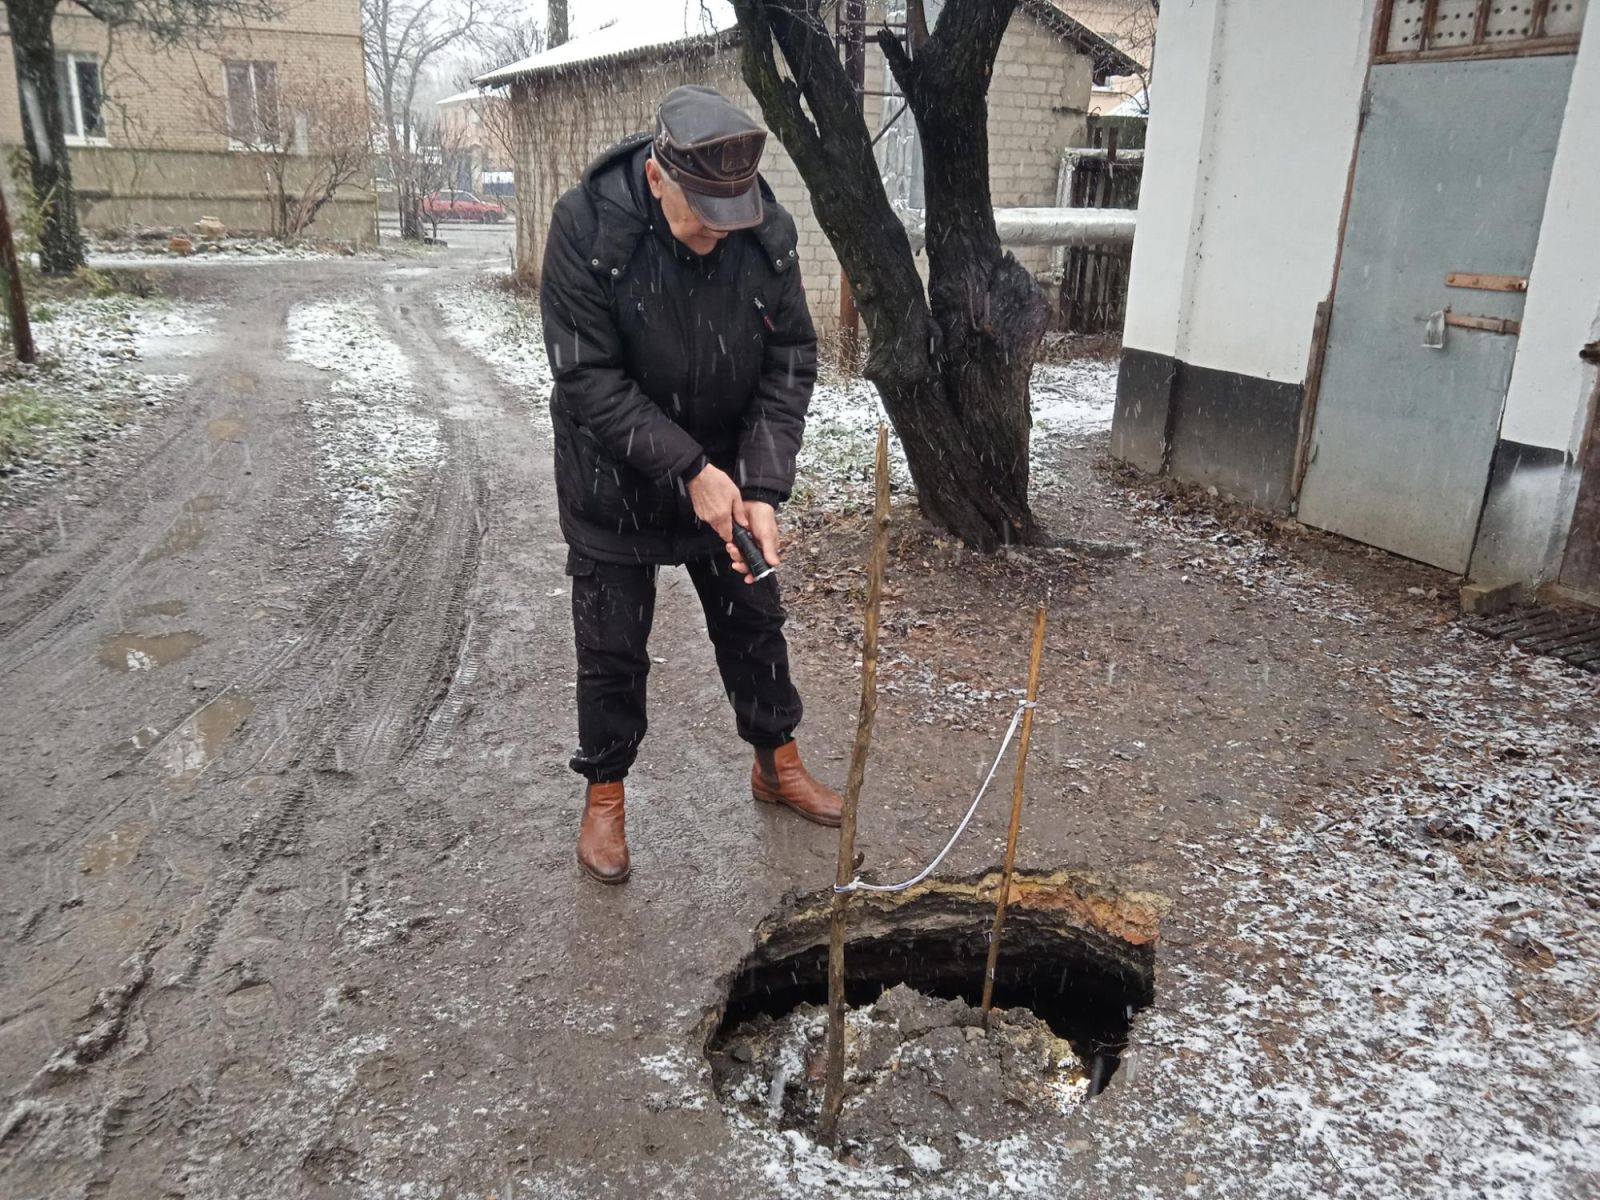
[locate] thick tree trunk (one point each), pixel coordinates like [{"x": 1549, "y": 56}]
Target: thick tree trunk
[
  {"x": 408, "y": 204},
  {"x": 410, "y": 208},
  {"x": 952, "y": 364},
  {"x": 44, "y": 133}
]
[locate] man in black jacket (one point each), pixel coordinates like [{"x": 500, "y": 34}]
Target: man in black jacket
[{"x": 684, "y": 357}]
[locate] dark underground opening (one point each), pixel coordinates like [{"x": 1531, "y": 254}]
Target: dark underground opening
[{"x": 1085, "y": 982}]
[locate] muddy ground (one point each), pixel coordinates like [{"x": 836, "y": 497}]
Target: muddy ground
[{"x": 286, "y": 878}]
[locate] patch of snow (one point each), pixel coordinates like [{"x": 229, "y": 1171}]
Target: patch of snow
[
  {"x": 89, "y": 372},
  {"x": 686, "y": 1080},
  {"x": 1070, "y": 400},
  {"x": 114, "y": 253},
  {"x": 369, "y": 431},
  {"x": 505, "y": 331},
  {"x": 1074, "y": 398}
]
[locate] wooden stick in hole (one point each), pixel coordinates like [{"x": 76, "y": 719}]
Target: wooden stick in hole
[
  {"x": 833, "y": 1081},
  {"x": 1016, "y": 814}
]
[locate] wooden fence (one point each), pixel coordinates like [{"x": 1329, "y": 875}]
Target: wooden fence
[{"x": 1094, "y": 279}]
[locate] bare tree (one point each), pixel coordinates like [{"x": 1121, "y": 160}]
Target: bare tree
[
  {"x": 441, "y": 152},
  {"x": 401, "y": 40},
  {"x": 309, "y": 135},
  {"x": 951, "y": 361},
  {"x": 517, "y": 41},
  {"x": 556, "y": 14},
  {"x": 31, "y": 24}
]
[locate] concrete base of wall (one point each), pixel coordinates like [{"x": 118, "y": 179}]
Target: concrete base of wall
[
  {"x": 1529, "y": 501},
  {"x": 1219, "y": 429},
  {"x": 118, "y": 189}
]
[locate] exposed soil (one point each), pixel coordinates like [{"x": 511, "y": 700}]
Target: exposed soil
[
  {"x": 923, "y": 1076},
  {"x": 287, "y": 899}
]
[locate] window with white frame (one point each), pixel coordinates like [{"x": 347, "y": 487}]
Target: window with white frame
[
  {"x": 252, "y": 103},
  {"x": 82, "y": 98}
]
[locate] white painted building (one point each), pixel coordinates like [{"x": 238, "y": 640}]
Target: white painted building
[{"x": 1366, "y": 284}]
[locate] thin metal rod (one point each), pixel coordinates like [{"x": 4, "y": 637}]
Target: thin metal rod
[
  {"x": 1016, "y": 813},
  {"x": 833, "y": 1080}
]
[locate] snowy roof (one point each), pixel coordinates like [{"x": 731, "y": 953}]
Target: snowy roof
[
  {"x": 669, "y": 24},
  {"x": 465, "y": 98},
  {"x": 1108, "y": 60}
]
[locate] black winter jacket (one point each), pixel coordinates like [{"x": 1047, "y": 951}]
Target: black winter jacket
[{"x": 660, "y": 357}]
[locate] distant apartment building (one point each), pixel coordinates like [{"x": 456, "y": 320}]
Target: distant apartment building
[
  {"x": 161, "y": 136},
  {"x": 476, "y": 127}
]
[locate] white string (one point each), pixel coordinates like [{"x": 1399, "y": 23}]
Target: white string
[{"x": 858, "y": 885}]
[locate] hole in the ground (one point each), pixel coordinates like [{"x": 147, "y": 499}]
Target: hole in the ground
[{"x": 1077, "y": 951}]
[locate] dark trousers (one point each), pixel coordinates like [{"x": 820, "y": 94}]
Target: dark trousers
[{"x": 613, "y": 607}]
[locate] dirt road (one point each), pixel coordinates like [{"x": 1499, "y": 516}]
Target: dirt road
[{"x": 287, "y": 883}]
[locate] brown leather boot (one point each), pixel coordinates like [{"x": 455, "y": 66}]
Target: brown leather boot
[
  {"x": 779, "y": 777},
  {"x": 602, "y": 841}
]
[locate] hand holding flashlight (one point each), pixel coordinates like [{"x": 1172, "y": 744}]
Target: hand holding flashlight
[{"x": 751, "y": 553}]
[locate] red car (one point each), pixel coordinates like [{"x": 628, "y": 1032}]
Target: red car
[{"x": 460, "y": 206}]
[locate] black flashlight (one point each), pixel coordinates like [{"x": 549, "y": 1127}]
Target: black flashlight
[{"x": 751, "y": 553}]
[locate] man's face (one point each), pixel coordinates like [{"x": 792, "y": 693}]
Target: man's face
[{"x": 681, "y": 219}]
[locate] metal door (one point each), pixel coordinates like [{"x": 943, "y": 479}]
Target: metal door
[{"x": 1450, "y": 180}]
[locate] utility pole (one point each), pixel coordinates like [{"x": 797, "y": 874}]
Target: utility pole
[{"x": 21, "y": 329}]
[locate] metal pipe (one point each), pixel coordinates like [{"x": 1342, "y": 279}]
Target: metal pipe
[{"x": 1048, "y": 226}]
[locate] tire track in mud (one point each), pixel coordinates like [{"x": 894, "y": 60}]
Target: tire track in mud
[
  {"x": 378, "y": 671},
  {"x": 411, "y": 668},
  {"x": 101, "y": 558},
  {"x": 280, "y": 830},
  {"x": 374, "y": 674}
]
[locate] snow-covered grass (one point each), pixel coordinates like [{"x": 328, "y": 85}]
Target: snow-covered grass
[
  {"x": 835, "y": 465},
  {"x": 156, "y": 251},
  {"x": 88, "y": 386},
  {"x": 1071, "y": 400},
  {"x": 504, "y": 330},
  {"x": 369, "y": 432}
]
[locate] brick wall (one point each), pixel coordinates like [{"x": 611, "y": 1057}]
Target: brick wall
[
  {"x": 1037, "y": 104},
  {"x": 166, "y": 159}
]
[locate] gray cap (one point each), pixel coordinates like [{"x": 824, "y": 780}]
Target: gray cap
[{"x": 712, "y": 150}]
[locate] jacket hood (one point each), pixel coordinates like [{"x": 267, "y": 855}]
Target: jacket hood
[{"x": 616, "y": 188}]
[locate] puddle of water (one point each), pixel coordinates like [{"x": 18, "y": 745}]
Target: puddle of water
[
  {"x": 226, "y": 429},
  {"x": 162, "y": 608},
  {"x": 127, "y": 652},
  {"x": 115, "y": 849},
  {"x": 204, "y": 504},
  {"x": 185, "y": 534},
  {"x": 192, "y": 746}
]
